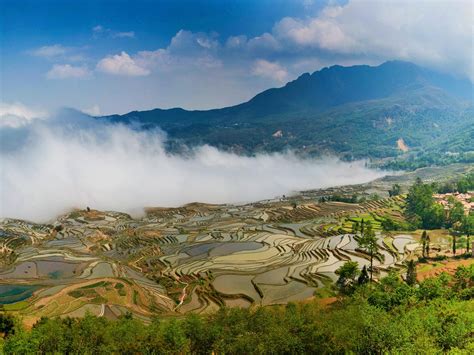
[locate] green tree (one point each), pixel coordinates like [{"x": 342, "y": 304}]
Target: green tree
[
  {"x": 347, "y": 273},
  {"x": 434, "y": 287},
  {"x": 463, "y": 185},
  {"x": 421, "y": 207},
  {"x": 427, "y": 246},
  {"x": 201, "y": 335},
  {"x": 128, "y": 335},
  {"x": 390, "y": 292},
  {"x": 363, "y": 276},
  {"x": 368, "y": 242},
  {"x": 456, "y": 214},
  {"x": 388, "y": 224},
  {"x": 434, "y": 217},
  {"x": 7, "y": 324},
  {"x": 411, "y": 273},
  {"x": 467, "y": 228},
  {"x": 395, "y": 190},
  {"x": 464, "y": 282},
  {"x": 424, "y": 237},
  {"x": 355, "y": 227}
]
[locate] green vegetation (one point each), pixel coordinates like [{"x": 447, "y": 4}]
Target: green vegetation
[
  {"x": 340, "y": 198},
  {"x": 368, "y": 242},
  {"x": 354, "y": 112},
  {"x": 395, "y": 190},
  {"x": 120, "y": 289},
  {"x": 411, "y": 273},
  {"x": 97, "y": 284},
  {"x": 392, "y": 316},
  {"x": 462, "y": 185},
  {"x": 267, "y": 253},
  {"x": 457, "y": 147},
  {"x": 347, "y": 273},
  {"x": 424, "y": 212},
  {"x": 421, "y": 207},
  {"x": 15, "y": 306}
]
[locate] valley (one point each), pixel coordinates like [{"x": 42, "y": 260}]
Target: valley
[{"x": 200, "y": 257}]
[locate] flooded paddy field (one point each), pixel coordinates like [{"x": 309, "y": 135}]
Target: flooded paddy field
[
  {"x": 16, "y": 293},
  {"x": 194, "y": 258}
]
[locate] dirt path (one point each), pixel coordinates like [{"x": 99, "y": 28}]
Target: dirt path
[
  {"x": 182, "y": 297},
  {"x": 102, "y": 310},
  {"x": 447, "y": 266}
]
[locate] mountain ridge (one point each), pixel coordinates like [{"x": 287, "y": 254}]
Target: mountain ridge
[
  {"x": 425, "y": 105},
  {"x": 464, "y": 83}
]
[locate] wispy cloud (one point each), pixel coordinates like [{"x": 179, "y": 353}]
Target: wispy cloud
[
  {"x": 49, "y": 52},
  {"x": 129, "y": 34},
  {"x": 93, "y": 111},
  {"x": 67, "y": 71},
  {"x": 15, "y": 115},
  {"x": 99, "y": 31},
  {"x": 58, "y": 52}
]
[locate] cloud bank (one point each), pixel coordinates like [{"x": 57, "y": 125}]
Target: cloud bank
[
  {"x": 73, "y": 161},
  {"x": 437, "y": 34},
  {"x": 14, "y": 115}
]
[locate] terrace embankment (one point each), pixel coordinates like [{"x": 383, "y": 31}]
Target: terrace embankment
[{"x": 194, "y": 258}]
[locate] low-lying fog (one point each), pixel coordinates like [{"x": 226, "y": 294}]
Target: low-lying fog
[{"x": 50, "y": 165}]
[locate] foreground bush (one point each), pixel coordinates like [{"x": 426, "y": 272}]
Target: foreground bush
[{"x": 436, "y": 316}]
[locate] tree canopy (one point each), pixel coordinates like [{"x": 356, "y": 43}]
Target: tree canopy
[{"x": 390, "y": 316}]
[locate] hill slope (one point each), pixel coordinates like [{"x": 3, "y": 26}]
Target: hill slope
[{"x": 357, "y": 111}]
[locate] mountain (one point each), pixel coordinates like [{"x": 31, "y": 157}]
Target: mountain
[{"x": 354, "y": 112}]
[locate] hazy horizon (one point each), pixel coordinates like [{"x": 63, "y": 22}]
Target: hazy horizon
[{"x": 68, "y": 162}]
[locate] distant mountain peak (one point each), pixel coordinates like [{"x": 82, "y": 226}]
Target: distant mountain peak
[{"x": 336, "y": 109}]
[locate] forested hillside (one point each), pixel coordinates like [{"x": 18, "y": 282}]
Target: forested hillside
[{"x": 354, "y": 112}]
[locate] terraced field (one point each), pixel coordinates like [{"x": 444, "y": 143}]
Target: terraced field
[{"x": 195, "y": 258}]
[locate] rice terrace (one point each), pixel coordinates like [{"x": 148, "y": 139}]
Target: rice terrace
[
  {"x": 234, "y": 177},
  {"x": 200, "y": 257}
]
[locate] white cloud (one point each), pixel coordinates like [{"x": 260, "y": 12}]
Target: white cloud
[
  {"x": 15, "y": 115},
  {"x": 430, "y": 33},
  {"x": 50, "y": 52},
  {"x": 97, "y": 29},
  {"x": 58, "y": 52},
  {"x": 100, "y": 30},
  {"x": 67, "y": 71},
  {"x": 187, "y": 49},
  {"x": 187, "y": 42},
  {"x": 236, "y": 41},
  {"x": 264, "y": 42},
  {"x": 121, "y": 64},
  {"x": 271, "y": 70},
  {"x": 129, "y": 34},
  {"x": 93, "y": 111},
  {"x": 115, "y": 168}
]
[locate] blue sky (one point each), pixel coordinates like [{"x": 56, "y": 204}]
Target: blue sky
[{"x": 116, "y": 56}]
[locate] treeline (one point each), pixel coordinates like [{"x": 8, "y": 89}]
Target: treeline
[
  {"x": 392, "y": 316},
  {"x": 429, "y": 159},
  {"x": 423, "y": 211},
  {"x": 349, "y": 199},
  {"x": 462, "y": 185}
]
